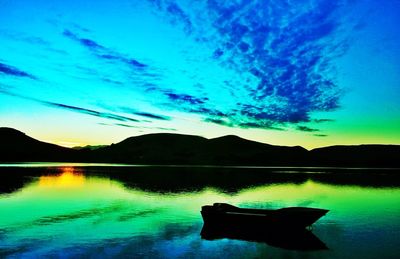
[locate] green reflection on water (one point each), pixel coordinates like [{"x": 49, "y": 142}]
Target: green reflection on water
[{"x": 71, "y": 210}]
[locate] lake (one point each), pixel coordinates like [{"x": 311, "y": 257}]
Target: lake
[{"x": 81, "y": 211}]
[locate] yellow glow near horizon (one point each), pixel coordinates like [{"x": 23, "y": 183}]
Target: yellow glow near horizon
[{"x": 84, "y": 131}]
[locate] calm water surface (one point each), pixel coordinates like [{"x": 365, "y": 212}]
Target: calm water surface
[{"x": 75, "y": 211}]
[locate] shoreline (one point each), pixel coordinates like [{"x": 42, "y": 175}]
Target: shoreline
[{"x": 89, "y": 164}]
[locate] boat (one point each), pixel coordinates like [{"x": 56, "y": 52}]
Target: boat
[{"x": 229, "y": 216}]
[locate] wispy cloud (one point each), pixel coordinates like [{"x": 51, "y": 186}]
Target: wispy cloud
[
  {"x": 306, "y": 129},
  {"x": 152, "y": 116},
  {"x": 186, "y": 98},
  {"x": 219, "y": 122},
  {"x": 322, "y": 120},
  {"x": 125, "y": 125},
  {"x": 104, "y": 115},
  {"x": 99, "y": 114},
  {"x": 144, "y": 114},
  {"x": 285, "y": 50},
  {"x": 259, "y": 126},
  {"x": 103, "y": 52},
  {"x": 13, "y": 71},
  {"x": 167, "y": 129},
  {"x": 31, "y": 41},
  {"x": 137, "y": 126},
  {"x": 175, "y": 10},
  {"x": 15, "y": 36}
]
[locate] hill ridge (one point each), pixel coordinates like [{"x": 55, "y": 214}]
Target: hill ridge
[{"x": 173, "y": 148}]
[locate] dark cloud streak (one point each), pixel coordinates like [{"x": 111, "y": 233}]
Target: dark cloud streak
[
  {"x": 104, "y": 115},
  {"x": 186, "y": 98},
  {"x": 103, "y": 52},
  {"x": 13, "y": 71},
  {"x": 259, "y": 126},
  {"x": 152, "y": 116},
  {"x": 306, "y": 129},
  {"x": 144, "y": 114},
  {"x": 219, "y": 122},
  {"x": 322, "y": 120},
  {"x": 320, "y": 135}
]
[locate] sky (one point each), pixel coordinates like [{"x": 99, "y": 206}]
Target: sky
[{"x": 309, "y": 73}]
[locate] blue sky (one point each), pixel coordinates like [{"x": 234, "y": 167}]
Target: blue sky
[{"x": 308, "y": 73}]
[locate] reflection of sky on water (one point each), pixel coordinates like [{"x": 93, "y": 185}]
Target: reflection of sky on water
[{"x": 71, "y": 214}]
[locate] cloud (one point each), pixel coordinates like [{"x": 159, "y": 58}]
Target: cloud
[
  {"x": 168, "y": 129},
  {"x": 219, "y": 122},
  {"x": 152, "y": 116},
  {"x": 186, "y": 98},
  {"x": 259, "y": 126},
  {"x": 104, "y": 115},
  {"x": 103, "y": 52},
  {"x": 248, "y": 64},
  {"x": 179, "y": 14},
  {"x": 100, "y": 114},
  {"x": 17, "y": 36},
  {"x": 13, "y": 71},
  {"x": 322, "y": 120},
  {"x": 145, "y": 114},
  {"x": 124, "y": 125},
  {"x": 200, "y": 109},
  {"x": 32, "y": 41},
  {"x": 284, "y": 53},
  {"x": 137, "y": 126},
  {"x": 85, "y": 42},
  {"x": 119, "y": 125},
  {"x": 306, "y": 129},
  {"x": 111, "y": 81},
  {"x": 131, "y": 62},
  {"x": 320, "y": 135}
]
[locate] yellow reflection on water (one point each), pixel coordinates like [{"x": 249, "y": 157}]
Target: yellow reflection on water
[{"x": 67, "y": 178}]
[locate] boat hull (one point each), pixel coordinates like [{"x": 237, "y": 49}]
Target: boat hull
[{"x": 286, "y": 218}]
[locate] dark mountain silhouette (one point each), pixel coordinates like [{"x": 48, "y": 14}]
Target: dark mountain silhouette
[
  {"x": 358, "y": 155},
  {"x": 90, "y": 147},
  {"x": 16, "y": 146},
  {"x": 186, "y": 149},
  {"x": 176, "y": 149}
]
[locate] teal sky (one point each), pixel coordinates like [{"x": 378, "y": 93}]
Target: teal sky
[{"x": 310, "y": 73}]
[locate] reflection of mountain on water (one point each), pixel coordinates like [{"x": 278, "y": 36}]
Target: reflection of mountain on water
[
  {"x": 184, "y": 179},
  {"x": 12, "y": 183},
  {"x": 292, "y": 240},
  {"x": 81, "y": 212}
]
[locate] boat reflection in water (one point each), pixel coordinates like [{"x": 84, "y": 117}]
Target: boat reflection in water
[{"x": 284, "y": 228}]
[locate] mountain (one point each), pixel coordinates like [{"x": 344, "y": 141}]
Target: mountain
[
  {"x": 357, "y": 156},
  {"x": 88, "y": 147},
  {"x": 186, "y": 149},
  {"x": 15, "y": 146},
  {"x": 176, "y": 149}
]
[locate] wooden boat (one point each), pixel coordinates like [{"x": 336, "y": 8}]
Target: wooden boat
[{"x": 223, "y": 214}]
